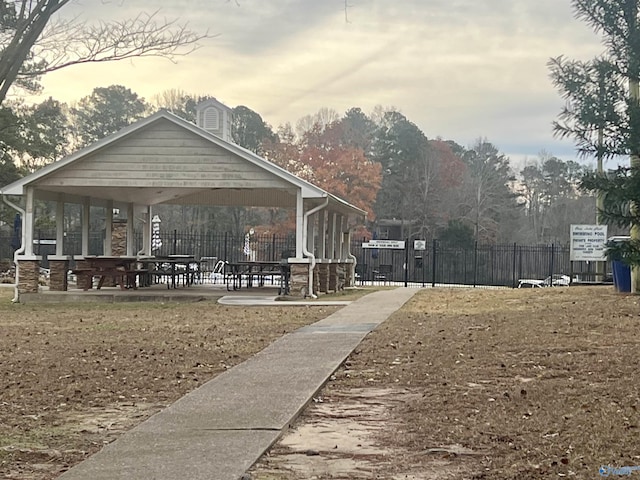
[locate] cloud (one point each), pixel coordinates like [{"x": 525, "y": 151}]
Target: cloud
[{"x": 460, "y": 69}]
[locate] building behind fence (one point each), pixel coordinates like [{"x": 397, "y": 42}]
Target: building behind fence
[{"x": 496, "y": 265}]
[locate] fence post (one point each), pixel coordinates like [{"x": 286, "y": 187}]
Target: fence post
[
  {"x": 492, "y": 260},
  {"x": 433, "y": 263},
  {"x": 475, "y": 264},
  {"x": 406, "y": 263},
  {"x": 363, "y": 271},
  {"x": 274, "y": 257},
  {"x": 551, "y": 266},
  {"x": 226, "y": 257},
  {"x": 515, "y": 254}
]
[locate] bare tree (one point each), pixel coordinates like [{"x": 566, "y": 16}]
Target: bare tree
[
  {"x": 33, "y": 43},
  {"x": 325, "y": 116}
]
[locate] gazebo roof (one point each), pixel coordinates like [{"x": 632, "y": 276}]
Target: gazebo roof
[{"x": 196, "y": 168}]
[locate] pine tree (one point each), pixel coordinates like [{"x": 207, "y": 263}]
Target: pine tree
[{"x": 602, "y": 114}]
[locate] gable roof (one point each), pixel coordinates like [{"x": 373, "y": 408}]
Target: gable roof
[{"x": 308, "y": 190}]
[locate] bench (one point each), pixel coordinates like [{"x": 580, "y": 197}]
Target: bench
[
  {"x": 122, "y": 277},
  {"x": 138, "y": 276},
  {"x": 84, "y": 277},
  {"x": 254, "y": 273}
]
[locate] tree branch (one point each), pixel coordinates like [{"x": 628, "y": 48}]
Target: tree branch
[
  {"x": 70, "y": 43},
  {"x": 32, "y": 45}
]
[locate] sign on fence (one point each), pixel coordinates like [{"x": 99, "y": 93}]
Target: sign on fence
[
  {"x": 397, "y": 244},
  {"x": 588, "y": 243}
]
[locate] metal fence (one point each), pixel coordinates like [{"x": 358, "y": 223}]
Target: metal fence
[
  {"x": 490, "y": 265},
  {"x": 223, "y": 246},
  {"x": 497, "y": 265}
]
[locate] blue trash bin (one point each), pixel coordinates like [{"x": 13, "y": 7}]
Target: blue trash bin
[{"x": 621, "y": 276}]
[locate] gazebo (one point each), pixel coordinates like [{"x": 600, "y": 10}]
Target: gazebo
[{"x": 164, "y": 159}]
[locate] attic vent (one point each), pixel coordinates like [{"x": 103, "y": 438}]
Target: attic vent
[{"x": 211, "y": 119}]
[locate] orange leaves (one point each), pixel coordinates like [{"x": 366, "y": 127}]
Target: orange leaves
[
  {"x": 325, "y": 158},
  {"x": 450, "y": 166}
]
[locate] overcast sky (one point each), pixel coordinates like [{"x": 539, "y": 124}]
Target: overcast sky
[{"x": 459, "y": 69}]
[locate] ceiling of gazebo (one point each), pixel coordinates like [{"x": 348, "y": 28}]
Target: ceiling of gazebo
[{"x": 172, "y": 196}]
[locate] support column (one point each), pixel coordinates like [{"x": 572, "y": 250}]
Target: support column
[
  {"x": 147, "y": 232},
  {"x": 331, "y": 236},
  {"x": 119, "y": 243},
  {"x": 322, "y": 234},
  {"x": 333, "y": 277},
  {"x": 299, "y": 223},
  {"x": 119, "y": 237},
  {"x": 316, "y": 278},
  {"x": 338, "y": 234},
  {"x": 58, "y": 268},
  {"x": 299, "y": 281},
  {"x": 341, "y": 274},
  {"x": 29, "y": 223},
  {"x": 129, "y": 237},
  {"x": 85, "y": 282},
  {"x": 311, "y": 230},
  {"x": 344, "y": 229},
  {"x": 60, "y": 226},
  {"x": 323, "y": 277},
  {"x": 108, "y": 228},
  {"x": 86, "y": 223},
  {"x": 29, "y": 281}
]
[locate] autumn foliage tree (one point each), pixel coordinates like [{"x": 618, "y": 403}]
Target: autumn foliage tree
[
  {"x": 340, "y": 169},
  {"x": 420, "y": 177},
  {"x": 330, "y": 155}
]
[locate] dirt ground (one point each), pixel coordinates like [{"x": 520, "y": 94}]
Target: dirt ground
[
  {"x": 73, "y": 377},
  {"x": 479, "y": 384},
  {"x": 460, "y": 383}
]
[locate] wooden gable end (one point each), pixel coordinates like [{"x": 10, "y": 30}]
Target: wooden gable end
[{"x": 164, "y": 154}]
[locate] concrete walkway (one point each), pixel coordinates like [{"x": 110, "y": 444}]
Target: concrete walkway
[{"x": 218, "y": 431}]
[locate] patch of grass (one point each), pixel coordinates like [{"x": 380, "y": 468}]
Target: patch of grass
[
  {"x": 544, "y": 380},
  {"x": 109, "y": 366}
]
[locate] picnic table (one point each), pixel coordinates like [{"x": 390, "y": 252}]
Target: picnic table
[
  {"x": 171, "y": 268},
  {"x": 253, "y": 272},
  {"x": 121, "y": 269}
]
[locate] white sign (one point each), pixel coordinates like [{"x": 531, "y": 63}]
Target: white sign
[
  {"x": 419, "y": 244},
  {"x": 588, "y": 243},
  {"x": 399, "y": 244}
]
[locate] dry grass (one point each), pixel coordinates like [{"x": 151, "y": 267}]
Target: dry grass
[
  {"x": 76, "y": 376},
  {"x": 543, "y": 381}
]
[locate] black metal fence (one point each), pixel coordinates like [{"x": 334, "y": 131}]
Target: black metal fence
[
  {"x": 491, "y": 265},
  {"x": 222, "y": 246},
  {"x": 497, "y": 265}
]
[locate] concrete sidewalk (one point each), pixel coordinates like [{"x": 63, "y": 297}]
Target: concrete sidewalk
[{"x": 221, "y": 429}]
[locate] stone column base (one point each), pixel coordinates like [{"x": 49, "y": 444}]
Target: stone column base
[
  {"x": 58, "y": 269},
  {"x": 316, "y": 280},
  {"x": 333, "y": 277},
  {"x": 299, "y": 281},
  {"x": 323, "y": 277},
  {"x": 29, "y": 281},
  {"x": 341, "y": 271}
]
